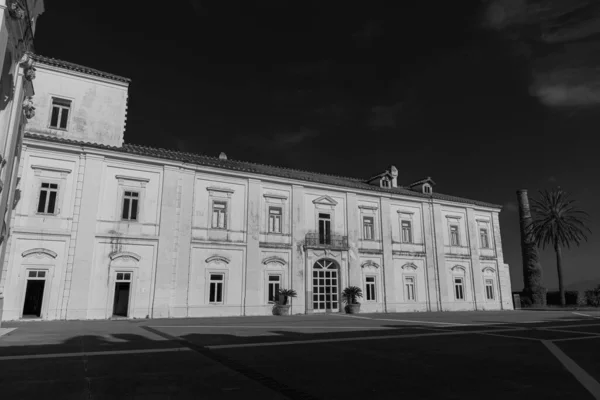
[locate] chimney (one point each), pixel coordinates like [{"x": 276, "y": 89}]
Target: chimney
[
  {"x": 394, "y": 173},
  {"x": 222, "y": 156}
]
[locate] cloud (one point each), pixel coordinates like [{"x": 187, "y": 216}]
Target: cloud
[
  {"x": 385, "y": 116},
  {"x": 293, "y": 138},
  {"x": 511, "y": 206}
]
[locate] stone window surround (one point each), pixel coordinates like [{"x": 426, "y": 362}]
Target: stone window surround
[
  {"x": 404, "y": 215},
  {"x": 375, "y": 286},
  {"x": 456, "y": 220},
  {"x": 47, "y": 174},
  {"x": 412, "y": 275},
  {"x": 222, "y": 195},
  {"x": 49, "y": 269},
  {"x": 216, "y": 271},
  {"x": 373, "y": 212},
  {"x": 485, "y": 224},
  {"x": 131, "y": 184},
  {"x": 51, "y": 107},
  {"x": 276, "y": 200}
]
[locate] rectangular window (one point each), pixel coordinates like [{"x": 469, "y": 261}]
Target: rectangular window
[
  {"x": 368, "y": 228},
  {"x": 219, "y": 215},
  {"x": 370, "y": 288},
  {"x": 409, "y": 285},
  {"x": 60, "y": 113},
  {"x": 216, "y": 288},
  {"x": 274, "y": 285},
  {"x": 454, "y": 239},
  {"x": 48, "y": 195},
  {"x": 489, "y": 289},
  {"x": 274, "y": 219},
  {"x": 130, "y": 206},
  {"x": 406, "y": 232},
  {"x": 324, "y": 228},
  {"x": 459, "y": 291},
  {"x": 483, "y": 233},
  {"x": 123, "y": 276}
]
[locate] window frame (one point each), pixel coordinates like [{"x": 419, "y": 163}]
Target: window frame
[
  {"x": 491, "y": 285},
  {"x": 61, "y": 108},
  {"x": 373, "y": 283},
  {"x": 48, "y": 191},
  {"x": 410, "y": 231},
  {"x": 268, "y": 286},
  {"x": 485, "y": 244},
  {"x": 330, "y": 219},
  {"x": 139, "y": 203},
  {"x": 414, "y": 287},
  {"x": 225, "y": 202},
  {"x": 269, "y": 214},
  {"x": 371, "y": 229},
  {"x": 223, "y": 287},
  {"x": 462, "y": 286},
  {"x": 457, "y": 244}
]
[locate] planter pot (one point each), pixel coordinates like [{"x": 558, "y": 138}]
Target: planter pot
[
  {"x": 352, "y": 308},
  {"x": 281, "y": 310}
]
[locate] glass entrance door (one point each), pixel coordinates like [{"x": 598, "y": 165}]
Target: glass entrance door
[{"x": 325, "y": 286}]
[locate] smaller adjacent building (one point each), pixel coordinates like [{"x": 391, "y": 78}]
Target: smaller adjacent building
[{"x": 108, "y": 229}]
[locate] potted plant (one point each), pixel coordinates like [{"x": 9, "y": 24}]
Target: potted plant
[
  {"x": 281, "y": 306},
  {"x": 350, "y": 296}
]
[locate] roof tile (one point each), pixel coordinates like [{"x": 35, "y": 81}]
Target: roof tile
[{"x": 76, "y": 67}]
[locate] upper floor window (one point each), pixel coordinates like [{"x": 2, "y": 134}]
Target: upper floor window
[
  {"x": 219, "y": 215},
  {"x": 406, "y": 232},
  {"x": 454, "y": 237},
  {"x": 48, "y": 195},
  {"x": 385, "y": 183},
  {"x": 130, "y": 206},
  {"x": 483, "y": 234},
  {"x": 368, "y": 228},
  {"x": 275, "y": 219},
  {"x": 427, "y": 189},
  {"x": 60, "y": 113},
  {"x": 324, "y": 228}
]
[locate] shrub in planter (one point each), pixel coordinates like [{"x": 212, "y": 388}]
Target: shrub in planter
[
  {"x": 581, "y": 299},
  {"x": 350, "y": 296},
  {"x": 526, "y": 301},
  {"x": 281, "y": 306},
  {"x": 593, "y": 297}
]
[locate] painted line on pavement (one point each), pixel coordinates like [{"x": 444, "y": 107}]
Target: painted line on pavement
[
  {"x": 354, "y": 339},
  {"x": 266, "y": 327},
  {"x": 580, "y": 374},
  {"x": 576, "y": 338},
  {"x": 586, "y": 315},
  {"x": 567, "y": 326},
  {"x": 91, "y": 353},
  {"x": 6, "y": 331},
  {"x": 405, "y": 320}
]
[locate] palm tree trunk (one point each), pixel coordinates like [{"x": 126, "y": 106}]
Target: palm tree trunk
[{"x": 561, "y": 288}]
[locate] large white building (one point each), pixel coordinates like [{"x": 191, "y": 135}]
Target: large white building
[{"x": 104, "y": 228}]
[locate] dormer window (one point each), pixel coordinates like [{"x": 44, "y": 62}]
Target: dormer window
[
  {"x": 385, "y": 183},
  {"x": 427, "y": 189}
]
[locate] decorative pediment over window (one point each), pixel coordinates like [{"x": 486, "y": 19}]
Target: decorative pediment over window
[
  {"x": 274, "y": 260},
  {"x": 325, "y": 200},
  {"x": 39, "y": 252},
  {"x": 40, "y": 169},
  {"x": 369, "y": 263},
  {"x": 141, "y": 182},
  {"x": 220, "y": 192},
  {"x": 125, "y": 255},
  {"x": 458, "y": 268},
  {"x": 410, "y": 266},
  {"x": 488, "y": 270},
  {"x": 274, "y": 196},
  {"x": 218, "y": 259}
]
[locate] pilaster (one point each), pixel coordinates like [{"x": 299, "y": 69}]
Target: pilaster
[
  {"x": 442, "y": 269},
  {"x": 78, "y": 300},
  {"x": 430, "y": 259},
  {"x": 503, "y": 270},
  {"x": 477, "y": 284},
  {"x": 254, "y": 304},
  {"x": 387, "y": 266},
  {"x": 298, "y": 272},
  {"x": 355, "y": 273}
]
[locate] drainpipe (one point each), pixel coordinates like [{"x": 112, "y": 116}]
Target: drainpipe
[{"x": 435, "y": 257}]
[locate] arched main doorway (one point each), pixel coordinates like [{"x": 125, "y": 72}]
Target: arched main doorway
[{"x": 325, "y": 286}]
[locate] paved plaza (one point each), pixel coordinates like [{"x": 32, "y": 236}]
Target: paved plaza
[{"x": 454, "y": 355}]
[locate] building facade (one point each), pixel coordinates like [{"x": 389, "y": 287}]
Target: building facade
[
  {"x": 17, "y": 28},
  {"x": 107, "y": 229}
]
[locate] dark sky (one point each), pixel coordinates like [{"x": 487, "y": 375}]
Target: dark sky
[{"x": 465, "y": 93}]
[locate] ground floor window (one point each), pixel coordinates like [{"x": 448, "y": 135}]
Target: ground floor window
[
  {"x": 489, "y": 289},
  {"x": 459, "y": 290},
  {"x": 34, "y": 294},
  {"x": 216, "y": 288},
  {"x": 370, "y": 288},
  {"x": 274, "y": 283},
  {"x": 409, "y": 286}
]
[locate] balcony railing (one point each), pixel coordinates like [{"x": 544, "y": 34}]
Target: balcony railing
[{"x": 325, "y": 241}]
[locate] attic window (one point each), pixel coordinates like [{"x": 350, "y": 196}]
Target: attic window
[
  {"x": 385, "y": 183},
  {"x": 427, "y": 189}
]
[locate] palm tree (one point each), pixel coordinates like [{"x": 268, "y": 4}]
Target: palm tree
[{"x": 559, "y": 223}]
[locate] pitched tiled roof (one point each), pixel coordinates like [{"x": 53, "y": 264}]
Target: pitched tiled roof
[
  {"x": 249, "y": 167},
  {"x": 76, "y": 67}
]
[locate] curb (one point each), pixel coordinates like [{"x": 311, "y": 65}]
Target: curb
[{"x": 6, "y": 331}]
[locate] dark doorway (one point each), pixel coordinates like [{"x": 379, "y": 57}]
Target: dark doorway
[
  {"x": 121, "y": 299},
  {"x": 34, "y": 295}
]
